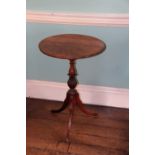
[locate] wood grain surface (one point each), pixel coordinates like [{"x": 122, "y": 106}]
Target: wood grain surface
[
  {"x": 106, "y": 134},
  {"x": 71, "y": 46}
]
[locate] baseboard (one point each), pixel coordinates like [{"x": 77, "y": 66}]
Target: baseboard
[
  {"x": 96, "y": 95},
  {"x": 92, "y": 19}
]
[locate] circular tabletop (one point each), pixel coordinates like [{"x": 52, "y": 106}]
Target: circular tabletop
[{"x": 71, "y": 46}]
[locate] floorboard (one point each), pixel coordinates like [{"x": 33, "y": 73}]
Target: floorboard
[{"x": 106, "y": 134}]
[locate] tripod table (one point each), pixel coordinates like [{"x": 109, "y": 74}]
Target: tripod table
[{"x": 72, "y": 47}]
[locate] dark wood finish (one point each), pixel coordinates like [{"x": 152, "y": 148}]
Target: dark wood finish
[
  {"x": 106, "y": 134},
  {"x": 71, "y": 46},
  {"x": 72, "y": 98}
]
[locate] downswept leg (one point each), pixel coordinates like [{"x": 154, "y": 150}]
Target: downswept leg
[
  {"x": 82, "y": 108},
  {"x": 64, "y": 106},
  {"x": 71, "y": 113}
]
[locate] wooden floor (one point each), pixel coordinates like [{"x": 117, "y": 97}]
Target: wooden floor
[{"x": 106, "y": 134}]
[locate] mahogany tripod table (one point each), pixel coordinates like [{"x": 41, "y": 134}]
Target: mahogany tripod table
[{"x": 72, "y": 47}]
